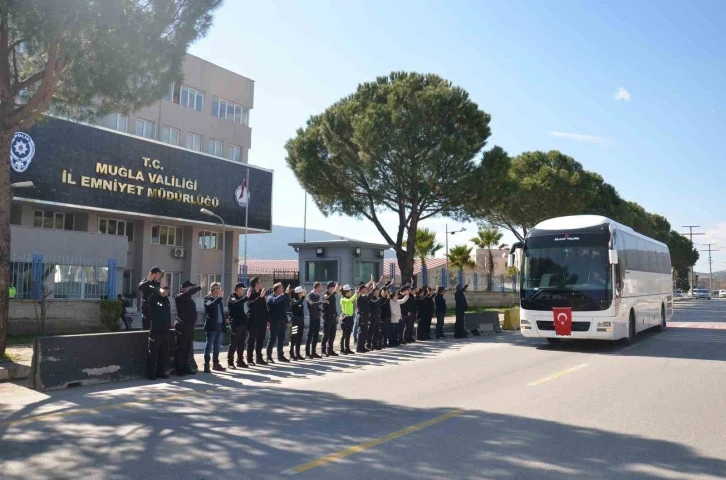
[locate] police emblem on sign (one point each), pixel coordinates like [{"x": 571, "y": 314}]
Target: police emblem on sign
[{"x": 22, "y": 150}]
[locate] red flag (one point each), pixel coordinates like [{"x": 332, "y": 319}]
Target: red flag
[{"x": 563, "y": 321}]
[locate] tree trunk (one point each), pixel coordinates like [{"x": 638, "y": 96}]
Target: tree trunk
[
  {"x": 405, "y": 264},
  {"x": 5, "y": 200}
]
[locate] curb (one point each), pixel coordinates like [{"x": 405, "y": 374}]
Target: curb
[{"x": 13, "y": 371}]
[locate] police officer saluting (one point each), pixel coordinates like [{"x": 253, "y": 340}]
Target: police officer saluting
[
  {"x": 149, "y": 288},
  {"x": 236, "y": 308},
  {"x": 186, "y": 319},
  {"x": 330, "y": 319},
  {"x": 160, "y": 316}
]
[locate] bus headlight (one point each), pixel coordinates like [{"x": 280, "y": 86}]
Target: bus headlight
[
  {"x": 604, "y": 324},
  {"x": 524, "y": 322}
]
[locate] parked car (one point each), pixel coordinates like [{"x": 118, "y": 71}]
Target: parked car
[
  {"x": 677, "y": 294},
  {"x": 702, "y": 293},
  {"x": 722, "y": 294}
]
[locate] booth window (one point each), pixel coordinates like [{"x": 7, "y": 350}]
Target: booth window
[{"x": 321, "y": 270}]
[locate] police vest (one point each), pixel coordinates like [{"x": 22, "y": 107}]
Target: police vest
[{"x": 12, "y": 292}]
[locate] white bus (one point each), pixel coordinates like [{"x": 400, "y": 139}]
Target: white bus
[{"x": 616, "y": 281}]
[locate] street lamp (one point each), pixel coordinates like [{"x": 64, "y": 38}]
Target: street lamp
[
  {"x": 210, "y": 213},
  {"x": 463, "y": 229},
  {"x": 27, "y": 184}
]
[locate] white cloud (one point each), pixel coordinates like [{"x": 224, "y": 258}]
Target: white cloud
[
  {"x": 579, "y": 137},
  {"x": 622, "y": 94}
]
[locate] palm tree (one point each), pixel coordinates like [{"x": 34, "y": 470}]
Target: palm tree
[
  {"x": 426, "y": 245},
  {"x": 460, "y": 257},
  {"x": 487, "y": 237}
]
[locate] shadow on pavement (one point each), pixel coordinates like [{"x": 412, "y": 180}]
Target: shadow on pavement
[{"x": 256, "y": 432}]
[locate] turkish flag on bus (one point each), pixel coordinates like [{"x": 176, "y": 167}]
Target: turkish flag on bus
[{"x": 563, "y": 321}]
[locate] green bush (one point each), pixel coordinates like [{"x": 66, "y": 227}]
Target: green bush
[{"x": 111, "y": 314}]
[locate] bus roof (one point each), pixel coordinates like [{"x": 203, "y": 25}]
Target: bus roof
[{"x": 584, "y": 221}]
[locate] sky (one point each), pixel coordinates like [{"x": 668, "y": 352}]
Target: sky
[{"x": 632, "y": 90}]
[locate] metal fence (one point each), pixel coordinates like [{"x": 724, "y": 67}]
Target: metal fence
[
  {"x": 269, "y": 277},
  {"x": 62, "y": 277}
]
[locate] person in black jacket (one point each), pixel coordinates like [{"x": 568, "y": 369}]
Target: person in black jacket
[
  {"x": 427, "y": 313},
  {"x": 315, "y": 302},
  {"x": 385, "y": 318},
  {"x": 374, "y": 326},
  {"x": 330, "y": 319},
  {"x": 440, "y": 309},
  {"x": 214, "y": 326},
  {"x": 149, "y": 289},
  {"x": 363, "y": 304},
  {"x": 238, "y": 337},
  {"x": 278, "y": 321},
  {"x": 408, "y": 310},
  {"x": 186, "y": 319},
  {"x": 460, "y": 306},
  {"x": 257, "y": 322},
  {"x": 297, "y": 326},
  {"x": 160, "y": 316}
]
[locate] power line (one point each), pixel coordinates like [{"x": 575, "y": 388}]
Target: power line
[
  {"x": 691, "y": 234},
  {"x": 710, "y": 264}
]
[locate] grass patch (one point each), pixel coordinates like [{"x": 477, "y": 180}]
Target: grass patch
[
  {"x": 16, "y": 340},
  {"x": 7, "y": 358}
]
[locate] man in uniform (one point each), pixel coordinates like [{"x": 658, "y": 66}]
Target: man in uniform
[
  {"x": 315, "y": 302},
  {"x": 330, "y": 319},
  {"x": 186, "y": 319},
  {"x": 149, "y": 288},
  {"x": 160, "y": 317},
  {"x": 257, "y": 325},
  {"x": 236, "y": 308},
  {"x": 278, "y": 321},
  {"x": 347, "y": 306}
]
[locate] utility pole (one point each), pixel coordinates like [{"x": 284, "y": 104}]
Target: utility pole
[
  {"x": 690, "y": 235},
  {"x": 710, "y": 265}
]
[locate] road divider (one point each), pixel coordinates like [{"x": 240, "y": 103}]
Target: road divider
[
  {"x": 370, "y": 444},
  {"x": 559, "y": 374}
]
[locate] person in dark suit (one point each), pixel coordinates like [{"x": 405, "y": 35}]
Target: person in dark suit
[
  {"x": 315, "y": 308},
  {"x": 374, "y": 326},
  {"x": 214, "y": 326},
  {"x": 278, "y": 322},
  {"x": 149, "y": 289},
  {"x": 460, "y": 306},
  {"x": 160, "y": 316},
  {"x": 239, "y": 321},
  {"x": 257, "y": 324},
  {"x": 440, "y": 309},
  {"x": 297, "y": 325},
  {"x": 385, "y": 318},
  {"x": 330, "y": 319},
  {"x": 186, "y": 319}
]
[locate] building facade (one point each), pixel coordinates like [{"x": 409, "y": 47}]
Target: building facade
[{"x": 111, "y": 200}]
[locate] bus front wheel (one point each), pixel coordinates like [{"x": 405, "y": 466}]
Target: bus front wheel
[{"x": 662, "y": 325}]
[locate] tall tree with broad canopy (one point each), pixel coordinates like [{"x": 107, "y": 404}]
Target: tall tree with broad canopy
[
  {"x": 84, "y": 58},
  {"x": 405, "y": 143}
]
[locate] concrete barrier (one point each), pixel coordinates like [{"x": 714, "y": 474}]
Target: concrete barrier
[
  {"x": 482, "y": 322},
  {"x": 488, "y": 299},
  {"x": 74, "y": 360},
  {"x": 65, "y": 317},
  {"x": 511, "y": 319}
]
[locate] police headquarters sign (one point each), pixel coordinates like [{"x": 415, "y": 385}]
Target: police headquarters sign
[{"x": 88, "y": 167}]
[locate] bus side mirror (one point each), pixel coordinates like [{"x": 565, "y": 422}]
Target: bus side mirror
[{"x": 613, "y": 256}]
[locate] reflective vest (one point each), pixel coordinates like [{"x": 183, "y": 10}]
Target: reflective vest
[{"x": 12, "y": 292}]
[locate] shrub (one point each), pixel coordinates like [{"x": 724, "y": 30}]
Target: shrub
[{"x": 111, "y": 314}]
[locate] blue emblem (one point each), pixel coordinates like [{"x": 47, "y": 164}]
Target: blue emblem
[{"x": 22, "y": 151}]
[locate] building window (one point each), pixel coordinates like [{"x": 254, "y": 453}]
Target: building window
[
  {"x": 364, "y": 270},
  {"x": 53, "y": 220},
  {"x": 210, "y": 240},
  {"x": 230, "y": 111},
  {"x": 235, "y": 153},
  {"x": 194, "y": 142},
  {"x": 116, "y": 121},
  {"x": 321, "y": 270},
  {"x": 206, "y": 280},
  {"x": 215, "y": 147},
  {"x": 173, "y": 281},
  {"x": 112, "y": 226},
  {"x": 170, "y": 135},
  {"x": 186, "y": 96},
  {"x": 166, "y": 235},
  {"x": 144, "y": 128}
]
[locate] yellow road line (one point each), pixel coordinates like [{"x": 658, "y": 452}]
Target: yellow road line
[
  {"x": 100, "y": 408},
  {"x": 556, "y": 375},
  {"x": 370, "y": 444}
]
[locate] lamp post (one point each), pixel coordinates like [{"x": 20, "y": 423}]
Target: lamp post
[{"x": 224, "y": 228}]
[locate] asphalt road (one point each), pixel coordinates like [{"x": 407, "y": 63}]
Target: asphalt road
[{"x": 499, "y": 407}]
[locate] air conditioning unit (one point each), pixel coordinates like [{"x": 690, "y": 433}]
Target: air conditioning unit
[{"x": 177, "y": 252}]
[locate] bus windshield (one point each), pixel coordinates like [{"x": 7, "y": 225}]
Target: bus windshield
[{"x": 560, "y": 271}]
